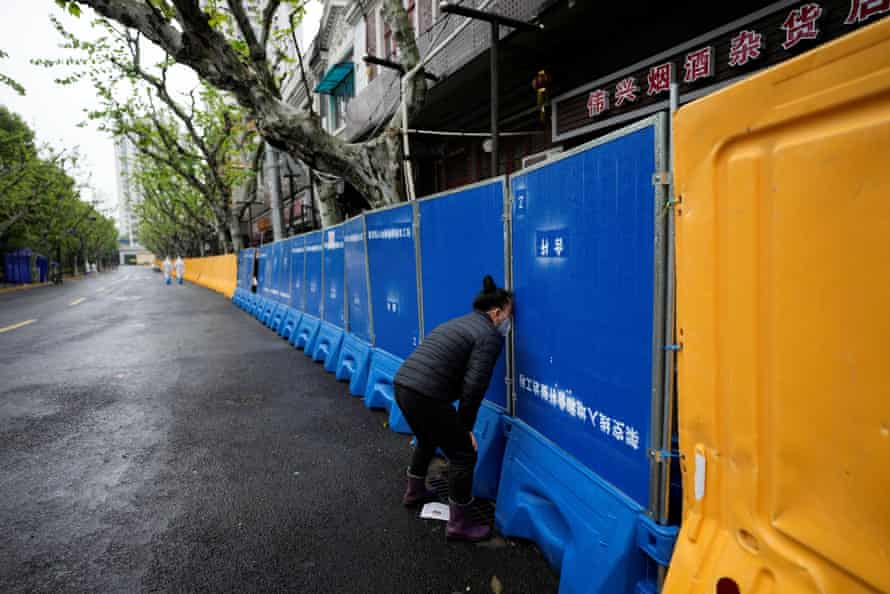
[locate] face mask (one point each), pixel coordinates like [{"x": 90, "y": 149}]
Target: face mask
[{"x": 504, "y": 327}]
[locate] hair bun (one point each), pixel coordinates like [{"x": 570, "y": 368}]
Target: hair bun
[{"x": 488, "y": 285}]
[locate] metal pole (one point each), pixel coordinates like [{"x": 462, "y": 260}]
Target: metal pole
[
  {"x": 418, "y": 269},
  {"x": 368, "y": 282},
  {"x": 345, "y": 286},
  {"x": 406, "y": 146},
  {"x": 669, "y": 333},
  {"x": 495, "y": 141},
  {"x": 508, "y": 283}
]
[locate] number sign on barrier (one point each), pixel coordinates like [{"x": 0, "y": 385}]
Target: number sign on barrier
[
  {"x": 391, "y": 258},
  {"x": 462, "y": 240},
  {"x": 334, "y": 276},
  {"x": 297, "y": 268},
  {"x": 357, "y": 278},
  {"x": 587, "y": 245},
  {"x": 314, "y": 263}
]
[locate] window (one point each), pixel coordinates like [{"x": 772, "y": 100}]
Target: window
[
  {"x": 336, "y": 112},
  {"x": 390, "y": 48}
]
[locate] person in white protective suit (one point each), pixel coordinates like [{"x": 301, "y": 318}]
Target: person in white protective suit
[
  {"x": 180, "y": 269},
  {"x": 167, "y": 267}
]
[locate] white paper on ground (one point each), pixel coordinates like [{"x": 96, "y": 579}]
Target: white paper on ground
[{"x": 435, "y": 511}]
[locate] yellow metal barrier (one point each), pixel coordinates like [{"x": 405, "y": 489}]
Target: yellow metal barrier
[
  {"x": 218, "y": 273},
  {"x": 783, "y": 291}
]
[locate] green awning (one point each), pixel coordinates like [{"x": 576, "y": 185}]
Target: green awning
[{"x": 338, "y": 80}]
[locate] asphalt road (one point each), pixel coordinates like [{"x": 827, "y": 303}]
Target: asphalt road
[{"x": 157, "y": 438}]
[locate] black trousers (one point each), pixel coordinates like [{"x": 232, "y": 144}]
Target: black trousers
[{"x": 435, "y": 424}]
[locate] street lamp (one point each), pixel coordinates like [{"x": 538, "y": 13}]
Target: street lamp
[{"x": 496, "y": 21}]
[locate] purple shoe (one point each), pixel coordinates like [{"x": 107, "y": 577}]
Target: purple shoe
[
  {"x": 417, "y": 493},
  {"x": 462, "y": 527}
]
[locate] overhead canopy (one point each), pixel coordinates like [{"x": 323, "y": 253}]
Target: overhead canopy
[{"x": 338, "y": 80}]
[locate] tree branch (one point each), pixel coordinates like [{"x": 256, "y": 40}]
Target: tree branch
[
  {"x": 268, "y": 17},
  {"x": 256, "y": 51}
]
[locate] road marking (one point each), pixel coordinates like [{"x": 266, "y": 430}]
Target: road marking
[
  {"x": 14, "y": 326},
  {"x": 102, "y": 289},
  {"x": 77, "y": 301}
]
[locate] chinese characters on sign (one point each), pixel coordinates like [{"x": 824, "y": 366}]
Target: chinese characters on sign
[
  {"x": 757, "y": 44},
  {"x": 393, "y": 233},
  {"x": 552, "y": 244},
  {"x": 660, "y": 78},
  {"x": 745, "y": 47},
  {"x": 565, "y": 401},
  {"x": 862, "y": 10},
  {"x": 626, "y": 90},
  {"x": 699, "y": 64},
  {"x": 598, "y": 102},
  {"x": 801, "y": 24}
]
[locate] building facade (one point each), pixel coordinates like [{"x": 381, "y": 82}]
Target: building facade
[
  {"x": 590, "y": 68},
  {"x": 128, "y": 198}
]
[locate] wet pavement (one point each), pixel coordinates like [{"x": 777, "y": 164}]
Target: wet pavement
[{"x": 157, "y": 438}]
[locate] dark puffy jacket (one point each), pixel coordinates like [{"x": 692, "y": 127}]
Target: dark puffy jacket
[{"x": 455, "y": 361}]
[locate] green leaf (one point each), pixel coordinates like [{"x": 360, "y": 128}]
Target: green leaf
[{"x": 74, "y": 9}]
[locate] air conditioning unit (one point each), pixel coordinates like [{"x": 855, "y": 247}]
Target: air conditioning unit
[{"x": 540, "y": 157}]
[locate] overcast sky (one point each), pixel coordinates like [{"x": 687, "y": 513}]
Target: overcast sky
[{"x": 53, "y": 111}]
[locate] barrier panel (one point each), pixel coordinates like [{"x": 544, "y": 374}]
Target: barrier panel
[
  {"x": 394, "y": 304},
  {"x": 461, "y": 240},
  {"x": 271, "y": 282},
  {"x": 245, "y": 276},
  {"x": 588, "y": 258},
  {"x": 242, "y": 287},
  {"x": 295, "y": 247},
  {"x": 264, "y": 277},
  {"x": 282, "y": 283},
  {"x": 330, "y": 334},
  {"x": 307, "y": 331},
  {"x": 18, "y": 268},
  {"x": 355, "y": 356},
  {"x": 781, "y": 307},
  {"x": 297, "y": 272},
  {"x": 217, "y": 273}
]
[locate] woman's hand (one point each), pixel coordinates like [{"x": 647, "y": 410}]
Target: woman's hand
[{"x": 473, "y": 439}]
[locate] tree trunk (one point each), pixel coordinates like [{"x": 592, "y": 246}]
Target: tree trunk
[
  {"x": 235, "y": 232},
  {"x": 326, "y": 203}
]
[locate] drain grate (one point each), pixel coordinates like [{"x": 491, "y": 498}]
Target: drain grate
[{"x": 481, "y": 510}]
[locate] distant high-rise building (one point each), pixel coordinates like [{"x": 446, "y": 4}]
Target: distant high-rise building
[{"x": 128, "y": 195}]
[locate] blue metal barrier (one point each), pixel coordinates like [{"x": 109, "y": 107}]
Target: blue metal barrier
[
  {"x": 355, "y": 356},
  {"x": 262, "y": 272},
  {"x": 394, "y": 304},
  {"x": 587, "y": 265},
  {"x": 282, "y": 283},
  {"x": 307, "y": 331},
  {"x": 330, "y": 334},
  {"x": 467, "y": 226},
  {"x": 296, "y": 262}
]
